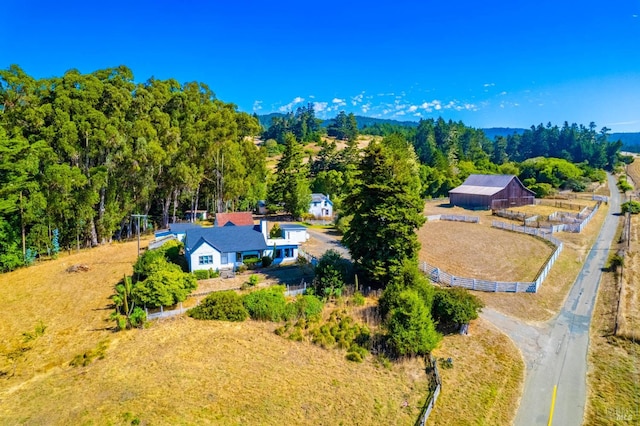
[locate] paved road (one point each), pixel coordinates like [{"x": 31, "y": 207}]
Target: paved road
[
  {"x": 556, "y": 352},
  {"x": 328, "y": 241}
]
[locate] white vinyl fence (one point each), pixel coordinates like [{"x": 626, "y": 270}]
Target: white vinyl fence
[{"x": 440, "y": 276}]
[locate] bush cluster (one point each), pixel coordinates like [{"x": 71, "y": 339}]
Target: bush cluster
[
  {"x": 455, "y": 306},
  {"x": 205, "y": 274},
  {"x": 339, "y": 331},
  {"x": 267, "y": 304},
  {"x": 222, "y": 305}
]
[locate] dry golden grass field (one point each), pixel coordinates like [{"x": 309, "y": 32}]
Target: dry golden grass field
[
  {"x": 629, "y": 307},
  {"x": 479, "y": 247},
  {"x": 467, "y": 397},
  {"x": 614, "y": 374},
  {"x": 476, "y": 251},
  {"x": 313, "y": 148},
  {"x": 183, "y": 371}
]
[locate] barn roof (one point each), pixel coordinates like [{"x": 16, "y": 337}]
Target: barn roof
[{"x": 485, "y": 184}]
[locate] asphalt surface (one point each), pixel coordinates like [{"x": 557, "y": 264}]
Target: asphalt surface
[
  {"x": 328, "y": 242},
  {"x": 555, "y": 353}
]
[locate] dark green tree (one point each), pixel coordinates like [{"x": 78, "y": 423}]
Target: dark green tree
[
  {"x": 411, "y": 331},
  {"x": 291, "y": 186},
  {"x": 387, "y": 210}
]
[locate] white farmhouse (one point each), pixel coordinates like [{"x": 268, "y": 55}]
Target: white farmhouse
[{"x": 321, "y": 206}]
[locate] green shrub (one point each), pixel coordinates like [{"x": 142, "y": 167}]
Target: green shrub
[
  {"x": 275, "y": 232},
  {"x": 411, "y": 330},
  {"x": 268, "y": 304},
  {"x": 164, "y": 287},
  {"x": 358, "y": 299},
  {"x": 305, "y": 306},
  {"x": 455, "y": 306},
  {"x": 331, "y": 273},
  {"x": 254, "y": 280},
  {"x": 354, "y": 356},
  {"x": 201, "y": 274},
  {"x": 242, "y": 268},
  {"x": 356, "y": 353},
  {"x": 222, "y": 305},
  {"x": 251, "y": 262},
  {"x": 297, "y": 335},
  {"x": 632, "y": 207},
  {"x": 266, "y": 261},
  {"x": 154, "y": 260}
]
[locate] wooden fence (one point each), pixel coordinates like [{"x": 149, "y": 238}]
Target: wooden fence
[
  {"x": 442, "y": 277},
  {"x": 435, "y": 384}
]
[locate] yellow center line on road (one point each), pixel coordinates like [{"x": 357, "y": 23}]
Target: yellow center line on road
[{"x": 553, "y": 404}]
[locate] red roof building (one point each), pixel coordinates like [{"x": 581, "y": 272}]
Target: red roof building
[{"x": 237, "y": 219}]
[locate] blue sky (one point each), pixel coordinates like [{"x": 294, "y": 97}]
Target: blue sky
[{"x": 491, "y": 63}]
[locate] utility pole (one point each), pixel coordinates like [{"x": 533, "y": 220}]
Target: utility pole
[{"x": 139, "y": 216}]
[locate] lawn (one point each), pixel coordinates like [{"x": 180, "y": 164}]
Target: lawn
[
  {"x": 61, "y": 363},
  {"x": 614, "y": 376},
  {"x": 467, "y": 396}
]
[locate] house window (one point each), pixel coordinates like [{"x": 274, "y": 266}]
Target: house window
[
  {"x": 205, "y": 260},
  {"x": 288, "y": 252},
  {"x": 278, "y": 254},
  {"x": 223, "y": 259},
  {"x": 238, "y": 256}
]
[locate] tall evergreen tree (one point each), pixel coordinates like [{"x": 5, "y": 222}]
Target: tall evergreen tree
[
  {"x": 291, "y": 185},
  {"x": 387, "y": 209}
]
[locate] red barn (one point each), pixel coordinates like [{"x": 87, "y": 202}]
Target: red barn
[{"x": 491, "y": 192}]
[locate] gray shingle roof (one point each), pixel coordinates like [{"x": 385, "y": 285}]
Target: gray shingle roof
[
  {"x": 181, "y": 228},
  {"x": 484, "y": 184},
  {"x": 227, "y": 239},
  {"x": 292, "y": 227},
  {"x": 499, "y": 181}
]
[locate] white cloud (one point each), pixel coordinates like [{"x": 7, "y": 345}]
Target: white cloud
[
  {"x": 366, "y": 107},
  {"x": 417, "y": 114},
  {"x": 357, "y": 99},
  {"x": 257, "y": 105},
  {"x": 400, "y": 113},
  {"x": 289, "y": 107},
  {"x": 412, "y": 108},
  {"x": 339, "y": 102},
  {"x": 503, "y": 93},
  {"x": 489, "y": 84},
  {"x": 320, "y": 106}
]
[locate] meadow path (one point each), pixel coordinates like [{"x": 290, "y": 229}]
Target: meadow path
[{"x": 555, "y": 352}]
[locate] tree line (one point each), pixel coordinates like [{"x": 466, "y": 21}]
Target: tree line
[{"x": 80, "y": 153}]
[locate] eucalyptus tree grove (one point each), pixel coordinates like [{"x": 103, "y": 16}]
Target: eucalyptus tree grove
[{"x": 80, "y": 153}]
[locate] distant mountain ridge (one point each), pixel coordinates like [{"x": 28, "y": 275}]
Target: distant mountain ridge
[{"x": 631, "y": 141}]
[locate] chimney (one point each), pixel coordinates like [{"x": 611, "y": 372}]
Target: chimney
[{"x": 263, "y": 229}]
